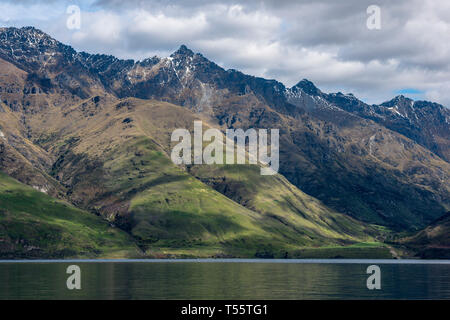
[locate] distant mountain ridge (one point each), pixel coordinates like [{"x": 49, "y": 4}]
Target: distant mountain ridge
[{"x": 39, "y": 47}]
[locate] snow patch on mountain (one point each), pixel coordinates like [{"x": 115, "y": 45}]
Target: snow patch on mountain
[
  {"x": 41, "y": 189},
  {"x": 394, "y": 109}
]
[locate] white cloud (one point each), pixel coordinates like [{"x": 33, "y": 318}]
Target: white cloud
[
  {"x": 325, "y": 41},
  {"x": 102, "y": 28}
]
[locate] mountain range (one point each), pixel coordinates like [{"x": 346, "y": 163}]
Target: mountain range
[{"x": 86, "y": 170}]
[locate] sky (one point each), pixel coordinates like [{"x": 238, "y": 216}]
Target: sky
[{"x": 326, "y": 41}]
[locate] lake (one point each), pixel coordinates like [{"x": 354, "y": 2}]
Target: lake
[{"x": 225, "y": 279}]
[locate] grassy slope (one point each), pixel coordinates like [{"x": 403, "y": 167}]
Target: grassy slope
[
  {"x": 171, "y": 212},
  {"x": 33, "y": 224},
  {"x": 293, "y": 215},
  {"x": 275, "y": 198}
]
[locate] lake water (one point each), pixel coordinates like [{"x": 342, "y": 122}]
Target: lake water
[{"x": 225, "y": 279}]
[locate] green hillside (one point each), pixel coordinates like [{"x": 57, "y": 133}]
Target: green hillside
[
  {"x": 33, "y": 224},
  {"x": 115, "y": 163},
  {"x": 172, "y": 212},
  {"x": 277, "y": 199}
]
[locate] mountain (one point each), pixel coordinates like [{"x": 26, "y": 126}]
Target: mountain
[
  {"x": 112, "y": 157},
  {"x": 95, "y": 130},
  {"x": 433, "y": 242},
  {"x": 424, "y": 122},
  {"x": 353, "y": 164}
]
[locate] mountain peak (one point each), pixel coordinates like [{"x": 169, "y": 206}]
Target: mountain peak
[
  {"x": 184, "y": 51},
  {"x": 399, "y": 100},
  {"x": 31, "y": 29},
  {"x": 308, "y": 87},
  {"x": 25, "y": 31},
  {"x": 26, "y": 36}
]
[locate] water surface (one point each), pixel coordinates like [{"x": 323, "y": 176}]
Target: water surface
[{"x": 225, "y": 279}]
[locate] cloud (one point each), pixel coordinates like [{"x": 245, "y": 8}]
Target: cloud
[{"x": 325, "y": 41}]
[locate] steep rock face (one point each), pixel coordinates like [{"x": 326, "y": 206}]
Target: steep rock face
[
  {"x": 366, "y": 161},
  {"x": 50, "y": 65}
]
